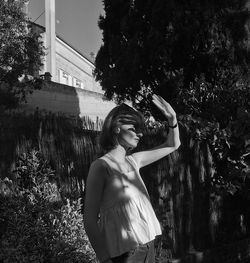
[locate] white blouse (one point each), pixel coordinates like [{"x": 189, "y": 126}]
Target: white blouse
[{"x": 127, "y": 218}]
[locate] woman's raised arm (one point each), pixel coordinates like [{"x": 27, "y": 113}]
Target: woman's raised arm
[{"x": 172, "y": 143}]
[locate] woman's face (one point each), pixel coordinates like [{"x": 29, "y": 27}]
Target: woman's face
[{"x": 128, "y": 136}]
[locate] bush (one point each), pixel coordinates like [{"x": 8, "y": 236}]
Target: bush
[{"x": 37, "y": 225}]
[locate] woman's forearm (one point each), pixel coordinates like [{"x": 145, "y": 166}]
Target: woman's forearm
[{"x": 173, "y": 139}]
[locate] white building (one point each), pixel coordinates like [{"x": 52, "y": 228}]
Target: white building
[{"x": 73, "y": 89}]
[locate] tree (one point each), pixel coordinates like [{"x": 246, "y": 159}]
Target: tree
[
  {"x": 170, "y": 46},
  {"x": 20, "y": 53}
]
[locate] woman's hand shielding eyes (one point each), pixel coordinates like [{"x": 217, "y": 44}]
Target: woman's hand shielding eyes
[{"x": 164, "y": 107}]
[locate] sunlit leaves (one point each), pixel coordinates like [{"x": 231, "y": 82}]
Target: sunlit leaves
[{"x": 20, "y": 51}]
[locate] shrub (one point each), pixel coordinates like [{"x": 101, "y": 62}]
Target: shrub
[{"x": 36, "y": 224}]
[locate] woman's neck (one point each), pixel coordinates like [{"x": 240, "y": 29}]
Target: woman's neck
[{"x": 118, "y": 153}]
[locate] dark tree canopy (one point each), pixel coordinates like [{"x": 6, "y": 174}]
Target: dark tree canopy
[
  {"x": 167, "y": 47},
  {"x": 20, "y": 53}
]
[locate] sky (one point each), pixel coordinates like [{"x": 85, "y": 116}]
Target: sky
[{"x": 76, "y": 22}]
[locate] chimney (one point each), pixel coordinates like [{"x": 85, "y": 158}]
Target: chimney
[{"x": 50, "y": 38}]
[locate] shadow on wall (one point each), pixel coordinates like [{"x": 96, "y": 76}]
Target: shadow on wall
[
  {"x": 59, "y": 98},
  {"x": 53, "y": 97}
]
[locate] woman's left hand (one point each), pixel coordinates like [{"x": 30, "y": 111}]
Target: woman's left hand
[{"x": 164, "y": 107}]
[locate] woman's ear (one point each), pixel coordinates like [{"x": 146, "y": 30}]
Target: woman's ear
[{"x": 117, "y": 130}]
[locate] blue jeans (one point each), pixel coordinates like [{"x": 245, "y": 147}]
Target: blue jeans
[{"x": 141, "y": 254}]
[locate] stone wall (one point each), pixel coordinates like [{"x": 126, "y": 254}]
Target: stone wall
[{"x": 59, "y": 98}]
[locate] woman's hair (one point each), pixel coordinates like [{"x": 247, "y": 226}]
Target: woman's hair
[{"x": 122, "y": 114}]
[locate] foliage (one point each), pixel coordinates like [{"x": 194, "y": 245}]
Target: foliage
[
  {"x": 36, "y": 224},
  {"x": 162, "y": 46},
  {"x": 230, "y": 148},
  {"x": 20, "y": 54},
  {"x": 33, "y": 176},
  {"x": 214, "y": 103}
]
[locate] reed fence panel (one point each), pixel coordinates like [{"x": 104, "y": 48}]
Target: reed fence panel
[{"x": 179, "y": 184}]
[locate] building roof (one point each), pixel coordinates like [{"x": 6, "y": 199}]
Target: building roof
[{"x": 75, "y": 49}]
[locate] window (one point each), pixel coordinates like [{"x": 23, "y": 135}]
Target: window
[
  {"x": 76, "y": 83},
  {"x": 63, "y": 77}
]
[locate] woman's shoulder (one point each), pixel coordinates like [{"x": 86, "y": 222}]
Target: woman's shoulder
[
  {"x": 99, "y": 162},
  {"x": 98, "y": 168}
]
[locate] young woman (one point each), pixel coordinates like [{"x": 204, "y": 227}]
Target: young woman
[{"x": 119, "y": 219}]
